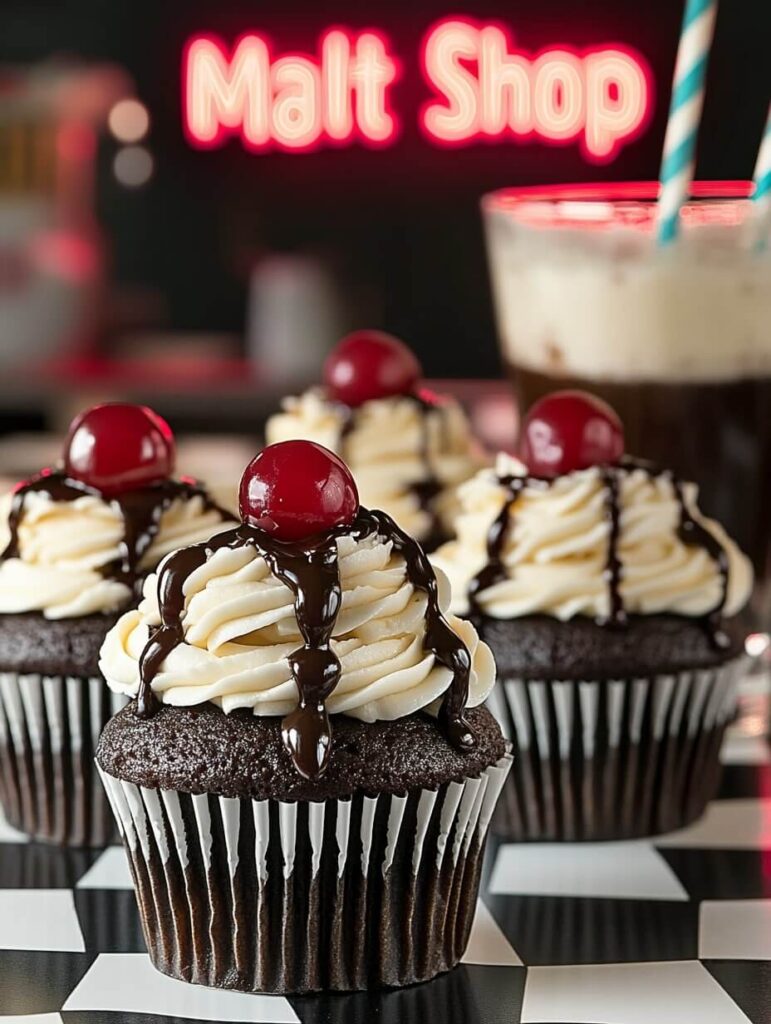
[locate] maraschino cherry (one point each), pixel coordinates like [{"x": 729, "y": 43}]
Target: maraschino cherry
[
  {"x": 294, "y": 490},
  {"x": 570, "y": 430},
  {"x": 370, "y": 364},
  {"x": 119, "y": 447}
]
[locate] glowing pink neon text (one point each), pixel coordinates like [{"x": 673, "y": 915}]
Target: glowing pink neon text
[
  {"x": 295, "y": 102},
  {"x": 487, "y": 89},
  {"x": 484, "y": 88}
]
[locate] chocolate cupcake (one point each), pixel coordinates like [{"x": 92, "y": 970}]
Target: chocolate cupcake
[
  {"x": 78, "y": 541},
  {"x": 407, "y": 448},
  {"x": 304, "y": 778},
  {"x": 607, "y": 599}
]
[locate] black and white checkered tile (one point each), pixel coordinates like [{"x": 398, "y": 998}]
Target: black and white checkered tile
[{"x": 677, "y": 930}]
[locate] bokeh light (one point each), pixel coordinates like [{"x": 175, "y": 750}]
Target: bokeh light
[
  {"x": 129, "y": 120},
  {"x": 757, "y": 644},
  {"x": 133, "y": 166}
]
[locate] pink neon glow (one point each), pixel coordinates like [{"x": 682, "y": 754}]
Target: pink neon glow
[
  {"x": 76, "y": 142},
  {"x": 371, "y": 75},
  {"x": 487, "y": 89},
  {"x": 296, "y": 113},
  {"x": 295, "y": 102},
  {"x": 335, "y": 58},
  {"x": 617, "y": 191},
  {"x": 64, "y": 254},
  {"x": 558, "y": 95},
  {"x": 598, "y": 207}
]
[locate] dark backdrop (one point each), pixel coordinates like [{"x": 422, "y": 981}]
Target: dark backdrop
[{"x": 400, "y": 226}]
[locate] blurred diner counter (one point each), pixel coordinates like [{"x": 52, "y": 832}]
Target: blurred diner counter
[{"x": 202, "y": 395}]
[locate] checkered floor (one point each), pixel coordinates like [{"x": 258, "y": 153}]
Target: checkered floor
[{"x": 677, "y": 931}]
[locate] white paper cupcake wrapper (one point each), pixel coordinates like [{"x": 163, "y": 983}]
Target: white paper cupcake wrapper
[
  {"x": 49, "y": 728},
  {"x": 268, "y": 896},
  {"x": 612, "y": 759}
]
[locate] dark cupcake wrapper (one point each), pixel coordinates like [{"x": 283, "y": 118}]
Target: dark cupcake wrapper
[
  {"x": 49, "y": 728},
  {"x": 612, "y": 759},
  {"x": 342, "y": 895}
]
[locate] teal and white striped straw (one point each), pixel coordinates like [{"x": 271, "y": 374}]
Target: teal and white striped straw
[
  {"x": 761, "y": 193},
  {"x": 679, "y": 158}
]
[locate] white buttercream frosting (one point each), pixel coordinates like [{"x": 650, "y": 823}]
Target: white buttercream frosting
[
  {"x": 240, "y": 628},
  {"x": 390, "y": 445},
  {"x": 64, "y": 544},
  {"x": 556, "y": 546}
]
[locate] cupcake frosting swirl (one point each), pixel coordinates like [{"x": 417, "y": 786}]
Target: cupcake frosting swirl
[
  {"x": 65, "y": 550},
  {"x": 395, "y": 447},
  {"x": 553, "y": 558},
  {"x": 240, "y": 629}
]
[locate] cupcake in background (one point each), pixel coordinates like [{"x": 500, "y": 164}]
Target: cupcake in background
[
  {"x": 608, "y": 600},
  {"x": 305, "y": 775},
  {"x": 407, "y": 448},
  {"x": 76, "y": 542},
  {"x": 219, "y": 459}
]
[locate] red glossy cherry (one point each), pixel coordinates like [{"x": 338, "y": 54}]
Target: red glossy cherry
[
  {"x": 570, "y": 430},
  {"x": 370, "y": 364},
  {"x": 297, "y": 489},
  {"x": 119, "y": 447}
]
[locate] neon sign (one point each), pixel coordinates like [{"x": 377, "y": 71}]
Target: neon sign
[
  {"x": 294, "y": 102},
  {"x": 483, "y": 87}
]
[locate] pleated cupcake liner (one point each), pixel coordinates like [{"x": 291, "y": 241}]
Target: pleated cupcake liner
[
  {"x": 49, "y": 728},
  {"x": 341, "y": 895},
  {"x": 612, "y": 759}
]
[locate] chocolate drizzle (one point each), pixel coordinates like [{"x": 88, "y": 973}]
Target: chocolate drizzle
[
  {"x": 312, "y": 576},
  {"x": 445, "y": 644},
  {"x": 690, "y": 532},
  {"x": 494, "y": 571},
  {"x": 310, "y": 570},
  {"x": 140, "y": 510},
  {"x": 613, "y": 569},
  {"x": 426, "y": 489}
]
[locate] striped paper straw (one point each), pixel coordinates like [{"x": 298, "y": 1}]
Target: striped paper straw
[
  {"x": 761, "y": 194},
  {"x": 679, "y": 159}
]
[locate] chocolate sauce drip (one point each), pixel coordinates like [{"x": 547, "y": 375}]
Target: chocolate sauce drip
[
  {"x": 52, "y": 483},
  {"x": 310, "y": 570},
  {"x": 613, "y": 569},
  {"x": 427, "y": 489},
  {"x": 495, "y": 571},
  {"x": 140, "y": 510},
  {"x": 690, "y": 532},
  {"x": 313, "y": 577},
  {"x": 440, "y": 639},
  {"x": 171, "y": 602}
]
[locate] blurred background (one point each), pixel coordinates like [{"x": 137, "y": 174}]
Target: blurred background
[{"x": 210, "y": 282}]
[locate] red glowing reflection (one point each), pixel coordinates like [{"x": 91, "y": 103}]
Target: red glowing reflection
[
  {"x": 602, "y": 206},
  {"x": 619, "y": 191}
]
